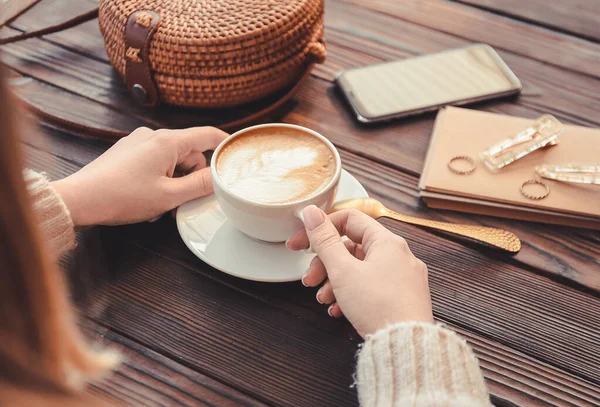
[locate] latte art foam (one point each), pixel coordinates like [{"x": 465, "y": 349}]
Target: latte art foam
[{"x": 274, "y": 166}]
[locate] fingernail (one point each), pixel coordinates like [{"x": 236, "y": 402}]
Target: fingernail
[
  {"x": 319, "y": 293},
  {"x": 329, "y": 310},
  {"x": 313, "y": 217},
  {"x": 303, "y": 277},
  {"x": 293, "y": 237}
]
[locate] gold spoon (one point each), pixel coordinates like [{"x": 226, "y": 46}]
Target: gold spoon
[{"x": 502, "y": 239}]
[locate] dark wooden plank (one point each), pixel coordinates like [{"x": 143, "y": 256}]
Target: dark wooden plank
[
  {"x": 147, "y": 378},
  {"x": 75, "y": 108},
  {"x": 72, "y": 71},
  {"x": 530, "y": 313},
  {"x": 69, "y": 147},
  {"x": 51, "y": 12},
  {"x": 576, "y": 17},
  {"x": 520, "y": 379},
  {"x": 504, "y": 33},
  {"x": 304, "y": 305},
  {"x": 9, "y": 9},
  {"x": 48, "y": 13}
]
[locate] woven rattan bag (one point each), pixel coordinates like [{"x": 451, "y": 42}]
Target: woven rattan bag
[{"x": 209, "y": 54}]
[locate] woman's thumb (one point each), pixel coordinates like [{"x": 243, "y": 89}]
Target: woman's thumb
[
  {"x": 193, "y": 185},
  {"x": 324, "y": 238}
]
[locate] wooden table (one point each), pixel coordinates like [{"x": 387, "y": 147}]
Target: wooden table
[{"x": 195, "y": 336}]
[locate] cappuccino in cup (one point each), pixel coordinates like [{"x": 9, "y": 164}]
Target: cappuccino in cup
[
  {"x": 276, "y": 165},
  {"x": 264, "y": 176}
]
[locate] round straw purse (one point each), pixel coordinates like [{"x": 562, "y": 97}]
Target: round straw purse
[
  {"x": 211, "y": 53},
  {"x": 239, "y": 60}
]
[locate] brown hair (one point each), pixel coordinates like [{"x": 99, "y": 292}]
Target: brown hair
[{"x": 41, "y": 347}]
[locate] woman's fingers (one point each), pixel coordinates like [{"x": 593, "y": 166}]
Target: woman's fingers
[
  {"x": 196, "y": 160},
  {"x": 325, "y": 294},
  {"x": 299, "y": 241},
  {"x": 316, "y": 273},
  {"x": 355, "y": 249},
  {"x": 191, "y": 186},
  {"x": 354, "y": 224},
  {"x": 196, "y": 139},
  {"x": 324, "y": 239},
  {"x": 334, "y": 310},
  {"x": 360, "y": 228}
]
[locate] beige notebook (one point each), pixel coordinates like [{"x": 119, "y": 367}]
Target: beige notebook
[
  {"x": 468, "y": 132},
  {"x": 460, "y": 204}
]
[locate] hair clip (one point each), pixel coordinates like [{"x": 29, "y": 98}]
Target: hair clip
[
  {"x": 544, "y": 132},
  {"x": 575, "y": 173}
]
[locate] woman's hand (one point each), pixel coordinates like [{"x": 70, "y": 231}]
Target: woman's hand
[
  {"x": 133, "y": 180},
  {"x": 372, "y": 278}
]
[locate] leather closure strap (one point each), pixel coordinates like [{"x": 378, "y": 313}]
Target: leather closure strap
[{"x": 141, "y": 25}]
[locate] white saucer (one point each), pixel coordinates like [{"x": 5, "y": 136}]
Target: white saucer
[{"x": 209, "y": 235}]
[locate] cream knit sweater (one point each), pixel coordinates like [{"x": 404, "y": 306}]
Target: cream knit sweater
[{"x": 406, "y": 364}]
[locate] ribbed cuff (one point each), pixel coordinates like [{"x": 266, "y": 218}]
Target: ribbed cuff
[
  {"x": 419, "y": 364},
  {"x": 52, "y": 213}
]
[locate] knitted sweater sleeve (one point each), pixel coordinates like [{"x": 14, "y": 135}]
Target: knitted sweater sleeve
[
  {"x": 419, "y": 364},
  {"x": 53, "y": 215}
]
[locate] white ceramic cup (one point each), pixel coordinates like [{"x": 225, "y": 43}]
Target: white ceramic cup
[{"x": 272, "y": 222}]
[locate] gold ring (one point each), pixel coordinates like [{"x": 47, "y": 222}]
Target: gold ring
[
  {"x": 462, "y": 158},
  {"x": 534, "y": 182}
]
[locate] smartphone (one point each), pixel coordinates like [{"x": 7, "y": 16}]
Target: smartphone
[{"x": 415, "y": 85}]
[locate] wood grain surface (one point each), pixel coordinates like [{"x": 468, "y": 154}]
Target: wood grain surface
[
  {"x": 576, "y": 17},
  {"x": 194, "y": 336},
  {"x": 9, "y": 9},
  {"x": 147, "y": 378},
  {"x": 530, "y": 41}
]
